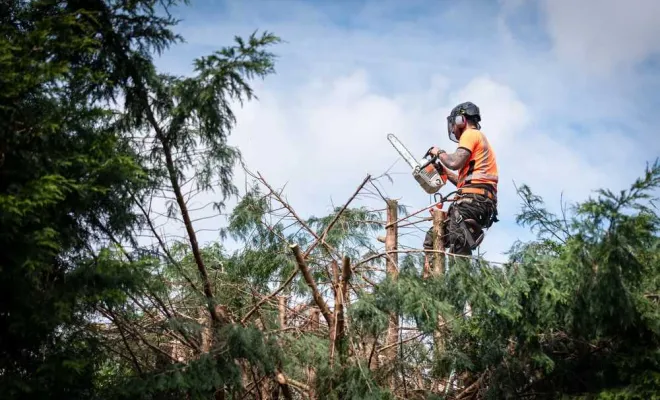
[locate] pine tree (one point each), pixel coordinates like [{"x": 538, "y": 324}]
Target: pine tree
[{"x": 65, "y": 174}]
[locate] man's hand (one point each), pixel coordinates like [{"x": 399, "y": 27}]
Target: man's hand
[
  {"x": 436, "y": 151},
  {"x": 451, "y": 177}
]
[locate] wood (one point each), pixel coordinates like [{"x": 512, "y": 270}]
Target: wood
[
  {"x": 438, "y": 234},
  {"x": 314, "y": 319},
  {"x": 192, "y": 236},
  {"x": 426, "y": 270},
  {"x": 313, "y": 325},
  {"x": 346, "y": 274},
  {"x": 391, "y": 268},
  {"x": 337, "y": 330},
  {"x": 338, "y": 334},
  {"x": 321, "y": 239},
  {"x": 438, "y": 270},
  {"x": 281, "y": 308},
  {"x": 206, "y": 334},
  {"x": 320, "y": 302}
]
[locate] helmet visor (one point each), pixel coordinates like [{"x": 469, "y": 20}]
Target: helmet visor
[{"x": 450, "y": 130}]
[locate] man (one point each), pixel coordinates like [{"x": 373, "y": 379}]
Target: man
[{"x": 475, "y": 207}]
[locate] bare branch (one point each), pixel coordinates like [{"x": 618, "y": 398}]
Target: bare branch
[
  {"x": 270, "y": 296},
  {"x": 334, "y": 220},
  {"x": 320, "y": 302}
]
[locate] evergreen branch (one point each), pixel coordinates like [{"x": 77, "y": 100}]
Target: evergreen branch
[
  {"x": 540, "y": 215},
  {"x": 192, "y": 236},
  {"x": 130, "y": 351},
  {"x": 149, "y": 293}
]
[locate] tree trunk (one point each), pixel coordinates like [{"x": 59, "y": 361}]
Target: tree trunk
[
  {"x": 438, "y": 233},
  {"x": 192, "y": 236},
  {"x": 391, "y": 268},
  {"x": 438, "y": 270}
]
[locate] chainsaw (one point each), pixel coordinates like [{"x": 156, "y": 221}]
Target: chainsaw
[{"x": 424, "y": 170}]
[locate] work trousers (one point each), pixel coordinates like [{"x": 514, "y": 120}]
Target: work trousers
[{"x": 479, "y": 208}]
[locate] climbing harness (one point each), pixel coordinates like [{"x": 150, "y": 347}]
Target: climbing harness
[{"x": 469, "y": 227}]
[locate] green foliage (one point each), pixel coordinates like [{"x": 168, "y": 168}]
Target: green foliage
[
  {"x": 367, "y": 318},
  {"x": 201, "y": 377},
  {"x": 66, "y": 178},
  {"x": 192, "y": 116},
  {"x": 303, "y": 351},
  {"x": 352, "y": 382},
  {"x": 585, "y": 322},
  {"x": 574, "y": 313},
  {"x": 408, "y": 295},
  {"x": 351, "y": 231}
]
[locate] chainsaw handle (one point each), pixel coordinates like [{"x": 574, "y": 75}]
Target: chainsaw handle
[
  {"x": 430, "y": 160},
  {"x": 425, "y": 164}
]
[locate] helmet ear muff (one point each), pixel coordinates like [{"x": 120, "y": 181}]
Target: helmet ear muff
[{"x": 459, "y": 121}]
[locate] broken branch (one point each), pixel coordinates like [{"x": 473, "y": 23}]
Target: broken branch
[
  {"x": 336, "y": 218},
  {"x": 323, "y": 306}
]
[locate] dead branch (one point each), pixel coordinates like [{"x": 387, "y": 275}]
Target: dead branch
[
  {"x": 284, "y": 380},
  {"x": 389, "y": 346},
  {"x": 270, "y": 296},
  {"x": 113, "y": 317},
  {"x": 386, "y": 253},
  {"x": 336, "y": 218},
  {"x": 162, "y": 245},
  {"x": 286, "y": 205},
  {"x": 467, "y": 392},
  {"x": 320, "y": 302}
]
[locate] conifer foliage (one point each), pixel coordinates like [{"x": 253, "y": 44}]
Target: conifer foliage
[{"x": 98, "y": 302}]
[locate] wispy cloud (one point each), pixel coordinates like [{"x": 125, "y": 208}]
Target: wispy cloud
[{"x": 566, "y": 109}]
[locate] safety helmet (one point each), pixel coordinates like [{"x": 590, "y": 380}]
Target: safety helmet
[{"x": 459, "y": 116}]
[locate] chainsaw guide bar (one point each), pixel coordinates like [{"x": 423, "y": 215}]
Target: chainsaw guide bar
[{"x": 424, "y": 171}]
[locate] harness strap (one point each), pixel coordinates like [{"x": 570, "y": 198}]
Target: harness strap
[
  {"x": 475, "y": 190},
  {"x": 466, "y": 231}
]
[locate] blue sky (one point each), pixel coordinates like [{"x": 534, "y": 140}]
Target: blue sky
[{"x": 567, "y": 90}]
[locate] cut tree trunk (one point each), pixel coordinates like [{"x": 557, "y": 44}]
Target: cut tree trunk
[
  {"x": 438, "y": 270},
  {"x": 391, "y": 268}
]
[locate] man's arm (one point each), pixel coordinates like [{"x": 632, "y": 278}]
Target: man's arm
[
  {"x": 457, "y": 160},
  {"x": 452, "y": 177}
]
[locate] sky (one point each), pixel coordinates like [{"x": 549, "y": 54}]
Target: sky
[{"x": 566, "y": 90}]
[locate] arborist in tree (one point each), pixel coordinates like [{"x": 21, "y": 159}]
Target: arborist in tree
[{"x": 475, "y": 207}]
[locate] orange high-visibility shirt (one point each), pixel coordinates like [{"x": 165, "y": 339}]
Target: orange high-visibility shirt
[{"x": 481, "y": 167}]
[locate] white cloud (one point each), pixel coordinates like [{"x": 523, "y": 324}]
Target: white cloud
[
  {"x": 330, "y": 135},
  {"x": 320, "y": 125},
  {"x": 603, "y": 36}
]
